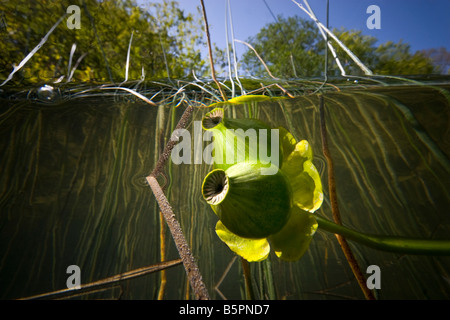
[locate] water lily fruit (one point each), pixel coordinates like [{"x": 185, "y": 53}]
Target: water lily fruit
[
  {"x": 248, "y": 203},
  {"x": 257, "y": 210}
]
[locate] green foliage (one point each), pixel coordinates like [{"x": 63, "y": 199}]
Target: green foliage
[
  {"x": 361, "y": 45},
  {"x": 395, "y": 58},
  {"x": 440, "y": 57},
  {"x": 165, "y": 40},
  {"x": 294, "y": 47}
]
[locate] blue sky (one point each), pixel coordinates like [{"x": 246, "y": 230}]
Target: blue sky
[{"x": 423, "y": 24}]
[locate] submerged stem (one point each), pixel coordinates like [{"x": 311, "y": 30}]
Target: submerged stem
[
  {"x": 267, "y": 267},
  {"x": 388, "y": 243},
  {"x": 335, "y": 208},
  {"x": 248, "y": 280},
  {"x": 190, "y": 265},
  {"x": 110, "y": 281}
]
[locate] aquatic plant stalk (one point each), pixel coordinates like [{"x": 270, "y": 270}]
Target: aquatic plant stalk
[
  {"x": 172, "y": 142},
  {"x": 248, "y": 280},
  {"x": 86, "y": 288},
  {"x": 69, "y": 78},
  {"x": 388, "y": 243},
  {"x": 213, "y": 72},
  {"x": 259, "y": 57},
  {"x": 189, "y": 263},
  {"x": 366, "y": 70},
  {"x": 28, "y": 57},
  {"x": 127, "y": 65},
  {"x": 267, "y": 267},
  {"x": 234, "y": 49},
  {"x": 222, "y": 278},
  {"x": 325, "y": 36},
  {"x": 335, "y": 208},
  {"x": 72, "y": 51},
  {"x": 159, "y": 145},
  {"x": 134, "y": 92},
  {"x": 230, "y": 73}
]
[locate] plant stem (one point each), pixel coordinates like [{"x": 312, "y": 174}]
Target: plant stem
[
  {"x": 267, "y": 267},
  {"x": 162, "y": 225},
  {"x": 87, "y": 288},
  {"x": 388, "y": 243},
  {"x": 335, "y": 208},
  {"x": 172, "y": 142},
  {"x": 213, "y": 72},
  {"x": 189, "y": 263},
  {"x": 248, "y": 280}
]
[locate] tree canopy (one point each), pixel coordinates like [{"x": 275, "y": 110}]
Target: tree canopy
[
  {"x": 293, "y": 47},
  {"x": 166, "y": 41}
]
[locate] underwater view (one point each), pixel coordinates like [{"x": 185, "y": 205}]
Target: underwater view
[{"x": 111, "y": 185}]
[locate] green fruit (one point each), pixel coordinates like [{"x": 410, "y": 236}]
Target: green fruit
[{"x": 248, "y": 203}]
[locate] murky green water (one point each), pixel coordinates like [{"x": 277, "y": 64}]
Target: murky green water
[{"x": 73, "y": 192}]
